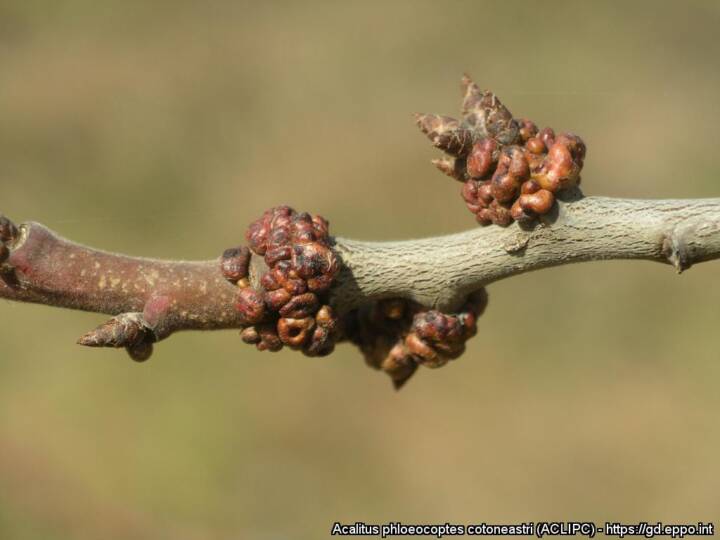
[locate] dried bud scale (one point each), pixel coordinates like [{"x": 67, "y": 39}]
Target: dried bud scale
[
  {"x": 8, "y": 230},
  {"x": 495, "y": 147},
  {"x": 453, "y": 167},
  {"x": 8, "y": 234},
  {"x": 446, "y": 133}
]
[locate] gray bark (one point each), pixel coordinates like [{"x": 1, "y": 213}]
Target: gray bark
[{"x": 439, "y": 272}]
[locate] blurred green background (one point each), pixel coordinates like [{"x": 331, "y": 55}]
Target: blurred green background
[{"x": 162, "y": 128}]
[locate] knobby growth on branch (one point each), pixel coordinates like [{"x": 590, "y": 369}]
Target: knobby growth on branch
[{"x": 404, "y": 304}]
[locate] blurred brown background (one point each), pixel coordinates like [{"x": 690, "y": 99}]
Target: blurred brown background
[{"x": 161, "y": 129}]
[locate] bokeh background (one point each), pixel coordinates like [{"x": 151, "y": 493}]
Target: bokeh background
[{"x": 162, "y": 128}]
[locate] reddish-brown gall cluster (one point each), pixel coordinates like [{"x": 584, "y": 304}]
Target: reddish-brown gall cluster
[
  {"x": 288, "y": 305},
  {"x": 396, "y": 336},
  {"x": 283, "y": 281},
  {"x": 511, "y": 170}
]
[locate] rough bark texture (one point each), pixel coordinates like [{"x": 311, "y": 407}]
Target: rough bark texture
[
  {"x": 436, "y": 272},
  {"x": 440, "y": 272}
]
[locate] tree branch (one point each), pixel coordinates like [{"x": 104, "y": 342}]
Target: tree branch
[
  {"x": 436, "y": 272},
  {"x": 404, "y": 304},
  {"x": 440, "y": 272},
  {"x": 45, "y": 268}
]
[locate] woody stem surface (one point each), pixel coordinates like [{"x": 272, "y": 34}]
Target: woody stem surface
[{"x": 436, "y": 272}]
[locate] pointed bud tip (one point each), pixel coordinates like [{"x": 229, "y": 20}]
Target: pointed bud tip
[
  {"x": 88, "y": 340},
  {"x": 121, "y": 330},
  {"x": 421, "y": 118},
  {"x": 400, "y": 377},
  {"x": 424, "y": 122},
  {"x": 434, "y": 124},
  {"x": 467, "y": 83}
]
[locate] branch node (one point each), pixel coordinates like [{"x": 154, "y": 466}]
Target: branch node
[
  {"x": 517, "y": 242},
  {"x": 675, "y": 251}
]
